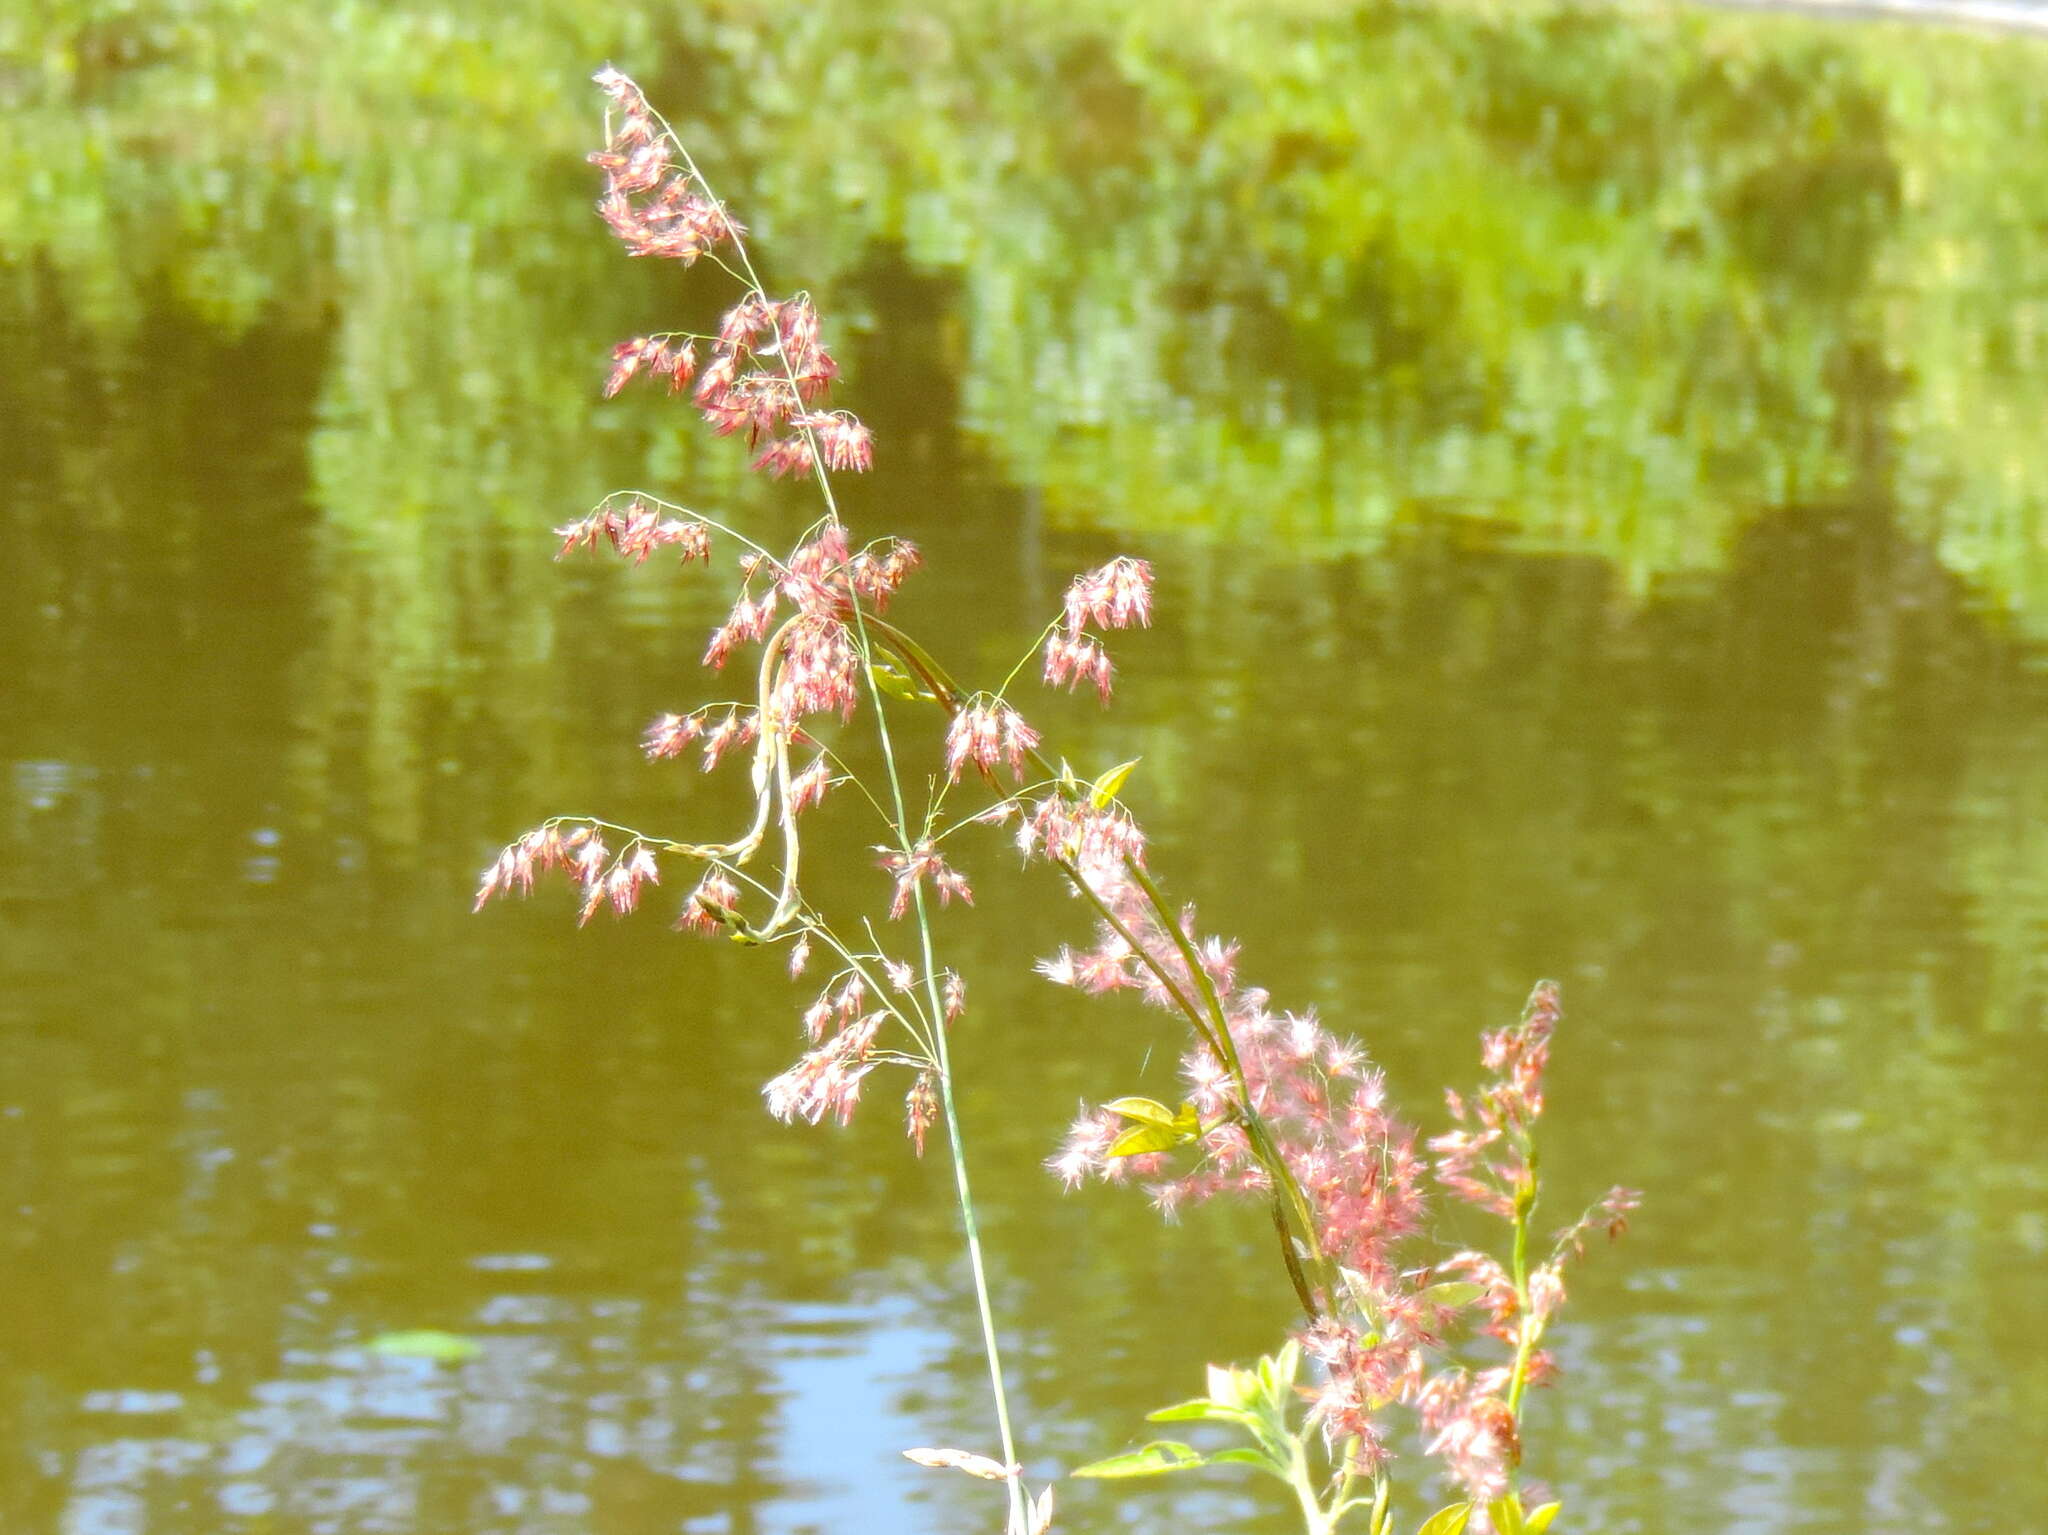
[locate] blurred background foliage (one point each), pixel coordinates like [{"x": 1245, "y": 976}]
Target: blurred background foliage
[{"x": 1287, "y": 275}]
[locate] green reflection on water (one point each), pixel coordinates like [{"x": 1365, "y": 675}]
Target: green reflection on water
[
  {"x": 1345, "y": 316},
  {"x": 1616, "y": 278}
]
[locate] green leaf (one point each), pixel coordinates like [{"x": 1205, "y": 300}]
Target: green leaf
[
  {"x": 1155, "y": 1459},
  {"x": 1453, "y": 1293},
  {"x": 1202, "y": 1410},
  {"x": 1245, "y": 1457},
  {"x": 1231, "y": 1388},
  {"x": 1144, "y": 1110},
  {"x": 1287, "y": 1363},
  {"x": 900, "y": 684},
  {"x": 1154, "y": 1127},
  {"x": 1539, "y": 1518},
  {"x": 1107, "y": 786},
  {"x": 1506, "y": 1514},
  {"x": 425, "y": 1343},
  {"x": 1450, "y": 1520},
  {"x": 1276, "y": 1376},
  {"x": 1140, "y": 1139}
]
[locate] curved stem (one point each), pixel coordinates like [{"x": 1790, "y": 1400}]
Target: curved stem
[{"x": 1284, "y": 1181}]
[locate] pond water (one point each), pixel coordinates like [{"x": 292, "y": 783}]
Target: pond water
[{"x": 1599, "y": 534}]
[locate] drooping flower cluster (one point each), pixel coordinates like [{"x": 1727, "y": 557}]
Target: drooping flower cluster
[
  {"x": 767, "y": 369},
  {"x": 827, "y": 1079},
  {"x": 673, "y": 734},
  {"x": 737, "y": 394},
  {"x": 581, "y": 853},
  {"x": 679, "y": 221},
  {"x": 661, "y": 356},
  {"x": 1115, "y": 596},
  {"x": 911, "y": 869},
  {"x": 987, "y": 732},
  {"x": 636, "y": 530}
]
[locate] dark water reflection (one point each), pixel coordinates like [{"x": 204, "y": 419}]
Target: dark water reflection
[{"x": 286, "y": 661}]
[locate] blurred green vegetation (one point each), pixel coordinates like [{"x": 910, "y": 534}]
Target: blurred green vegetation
[{"x": 1618, "y": 277}]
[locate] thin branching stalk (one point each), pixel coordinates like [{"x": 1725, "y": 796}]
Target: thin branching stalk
[{"x": 900, "y": 825}]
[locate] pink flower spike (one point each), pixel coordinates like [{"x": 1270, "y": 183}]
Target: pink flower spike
[
  {"x": 843, "y": 443},
  {"x": 787, "y": 456},
  {"x": 1116, "y": 596},
  {"x": 671, "y": 735},
  {"x": 809, "y": 786},
  {"x": 627, "y": 358},
  {"x": 920, "y": 1109},
  {"x": 985, "y": 734},
  {"x": 921, "y": 863},
  {"x": 1071, "y": 659}
]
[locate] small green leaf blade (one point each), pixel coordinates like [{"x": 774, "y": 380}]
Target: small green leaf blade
[
  {"x": 1111, "y": 783},
  {"x": 1257, "y": 1459},
  {"x": 898, "y": 684},
  {"x": 1201, "y": 1410},
  {"x": 1155, "y": 1459},
  {"x": 1450, "y": 1520},
  {"x": 1145, "y": 1111},
  {"x": 1539, "y": 1518},
  {"x": 1142, "y": 1139}
]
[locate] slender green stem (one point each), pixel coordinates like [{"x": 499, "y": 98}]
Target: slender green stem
[
  {"x": 1316, "y": 1519},
  {"x": 1213, "y": 1029},
  {"x": 969, "y": 1224},
  {"x": 1530, "y": 1329}
]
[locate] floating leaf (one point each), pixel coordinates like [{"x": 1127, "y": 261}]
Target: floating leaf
[
  {"x": 1447, "y": 1521},
  {"x": 1539, "y": 1518},
  {"x": 425, "y": 1343},
  {"x": 1107, "y": 786},
  {"x": 1155, "y": 1459},
  {"x": 964, "y": 1460}
]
